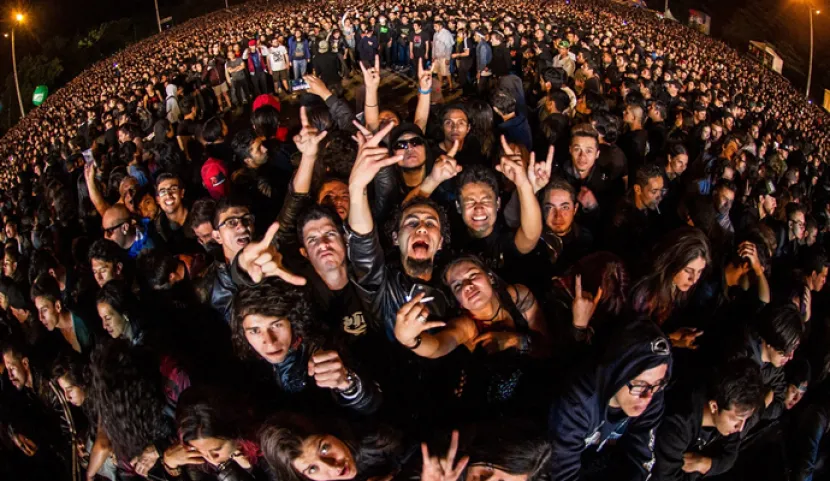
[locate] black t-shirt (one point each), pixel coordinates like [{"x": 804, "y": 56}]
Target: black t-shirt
[
  {"x": 385, "y": 32},
  {"x": 613, "y": 159},
  {"x": 419, "y": 43},
  {"x": 327, "y": 67},
  {"x": 497, "y": 250},
  {"x": 345, "y": 312},
  {"x": 404, "y": 31}
]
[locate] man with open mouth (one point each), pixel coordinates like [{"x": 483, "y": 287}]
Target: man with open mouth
[
  {"x": 421, "y": 228},
  {"x": 233, "y": 229}
]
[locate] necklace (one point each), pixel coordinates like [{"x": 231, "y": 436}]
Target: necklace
[{"x": 498, "y": 311}]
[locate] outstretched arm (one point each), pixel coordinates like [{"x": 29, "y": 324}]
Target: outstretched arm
[
  {"x": 371, "y": 110},
  {"x": 370, "y": 159},
  {"x": 424, "y": 95},
  {"x": 95, "y": 195},
  {"x": 530, "y": 228},
  {"x": 411, "y": 330}
]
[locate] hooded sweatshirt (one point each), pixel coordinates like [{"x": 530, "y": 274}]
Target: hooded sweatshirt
[
  {"x": 582, "y": 418},
  {"x": 172, "y": 104}
]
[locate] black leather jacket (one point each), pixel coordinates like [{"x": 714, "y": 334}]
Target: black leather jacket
[
  {"x": 385, "y": 288},
  {"x": 223, "y": 291},
  {"x": 292, "y": 378}
]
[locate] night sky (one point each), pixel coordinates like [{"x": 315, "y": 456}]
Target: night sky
[{"x": 69, "y": 17}]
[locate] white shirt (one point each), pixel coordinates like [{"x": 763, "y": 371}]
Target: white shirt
[{"x": 276, "y": 57}]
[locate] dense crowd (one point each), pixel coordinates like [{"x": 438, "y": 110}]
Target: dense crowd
[{"x": 592, "y": 246}]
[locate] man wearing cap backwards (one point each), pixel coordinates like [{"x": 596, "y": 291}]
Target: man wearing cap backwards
[
  {"x": 564, "y": 60},
  {"x": 603, "y": 425},
  {"x": 257, "y": 67}
]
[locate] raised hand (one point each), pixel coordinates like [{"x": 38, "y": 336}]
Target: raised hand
[
  {"x": 309, "y": 138},
  {"x": 371, "y": 158},
  {"x": 584, "y": 304},
  {"x": 411, "y": 321},
  {"x": 511, "y": 166},
  {"x": 371, "y": 75},
  {"x": 89, "y": 172},
  {"x": 446, "y": 167},
  {"x": 261, "y": 259},
  {"x": 367, "y": 134},
  {"x": 317, "y": 87},
  {"x": 539, "y": 173},
  {"x": 424, "y": 76},
  {"x": 747, "y": 250},
  {"x": 443, "y": 469}
]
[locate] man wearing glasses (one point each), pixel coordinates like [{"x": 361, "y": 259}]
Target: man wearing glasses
[
  {"x": 603, "y": 426},
  {"x": 169, "y": 225},
  {"x": 233, "y": 229},
  {"x": 120, "y": 228}
]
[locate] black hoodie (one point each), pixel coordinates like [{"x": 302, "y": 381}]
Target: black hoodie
[
  {"x": 682, "y": 432},
  {"x": 583, "y": 418}
]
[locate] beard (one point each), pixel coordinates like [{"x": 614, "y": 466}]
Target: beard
[
  {"x": 417, "y": 267},
  {"x": 414, "y": 168}
]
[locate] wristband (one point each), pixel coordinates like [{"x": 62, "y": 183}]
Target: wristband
[{"x": 424, "y": 92}]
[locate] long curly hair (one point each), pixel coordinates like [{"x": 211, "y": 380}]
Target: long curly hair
[
  {"x": 273, "y": 298},
  {"x": 128, "y": 398}
]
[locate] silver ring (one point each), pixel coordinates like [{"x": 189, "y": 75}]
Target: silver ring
[{"x": 422, "y": 319}]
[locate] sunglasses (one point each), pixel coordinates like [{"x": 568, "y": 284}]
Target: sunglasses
[
  {"x": 409, "y": 143},
  {"x": 110, "y": 230}
]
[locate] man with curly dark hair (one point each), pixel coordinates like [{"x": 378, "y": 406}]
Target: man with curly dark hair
[{"x": 273, "y": 321}]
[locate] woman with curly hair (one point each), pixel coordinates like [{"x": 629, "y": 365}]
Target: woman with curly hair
[
  {"x": 133, "y": 410},
  {"x": 272, "y": 321}
]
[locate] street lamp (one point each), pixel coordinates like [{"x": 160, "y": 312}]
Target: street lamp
[
  {"x": 19, "y": 18},
  {"x": 810, "y": 69},
  {"x": 158, "y": 18}
]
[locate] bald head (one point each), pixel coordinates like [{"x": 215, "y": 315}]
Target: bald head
[
  {"x": 117, "y": 226},
  {"x": 115, "y": 215}
]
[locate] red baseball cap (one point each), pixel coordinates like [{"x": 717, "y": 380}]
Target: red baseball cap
[
  {"x": 215, "y": 178},
  {"x": 266, "y": 99}
]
